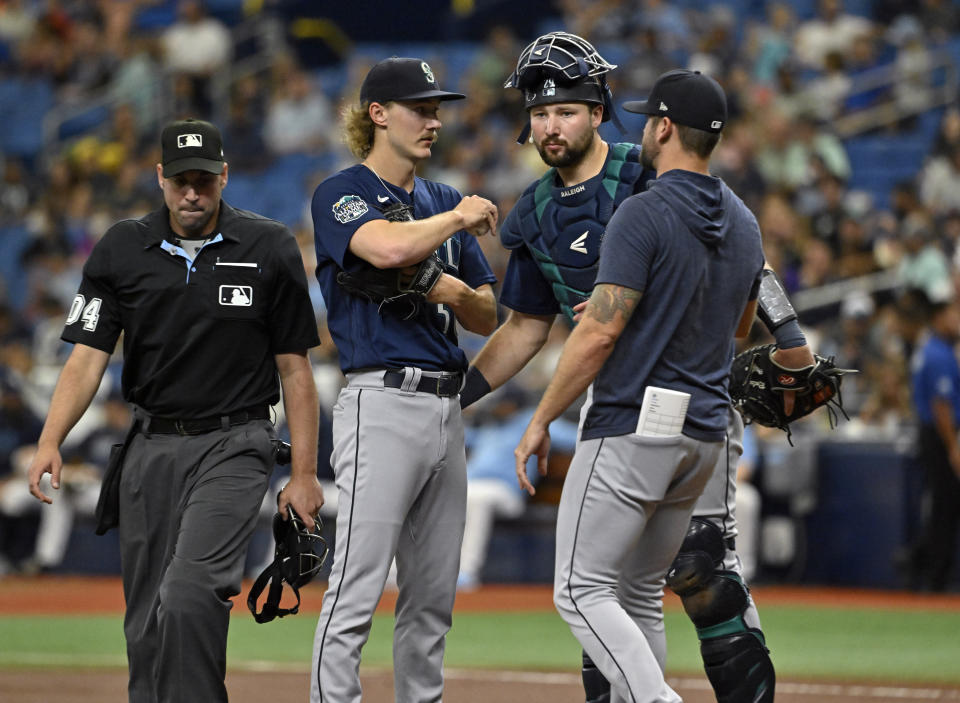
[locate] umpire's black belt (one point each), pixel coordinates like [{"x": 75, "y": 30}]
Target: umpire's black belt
[
  {"x": 445, "y": 384},
  {"x": 199, "y": 425}
]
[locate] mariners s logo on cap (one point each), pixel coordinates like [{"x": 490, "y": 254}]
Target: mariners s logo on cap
[{"x": 427, "y": 72}]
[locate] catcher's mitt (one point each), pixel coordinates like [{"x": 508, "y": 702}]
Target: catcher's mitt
[
  {"x": 389, "y": 286},
  {"x": 757, "y": 383}
]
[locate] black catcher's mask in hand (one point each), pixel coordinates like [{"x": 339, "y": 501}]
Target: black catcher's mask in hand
[{"x": 299, "y": 556}]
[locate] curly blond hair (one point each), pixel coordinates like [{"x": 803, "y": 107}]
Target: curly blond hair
[{"x": 358, "y": 129}]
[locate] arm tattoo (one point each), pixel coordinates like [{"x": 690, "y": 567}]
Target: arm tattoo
[{"x": 607, "y": 299}]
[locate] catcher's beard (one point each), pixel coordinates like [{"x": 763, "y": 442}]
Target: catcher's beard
[{"x": 572, "y": 155}]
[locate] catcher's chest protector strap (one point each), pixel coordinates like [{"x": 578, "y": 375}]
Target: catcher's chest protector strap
[{"x": 563, "y": 227}]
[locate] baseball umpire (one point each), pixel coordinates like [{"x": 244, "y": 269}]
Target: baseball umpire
[
  {"x": 554, "y": 235},
  {"x": 213, "y": 305},
  {"x": 398, "y": 267}
]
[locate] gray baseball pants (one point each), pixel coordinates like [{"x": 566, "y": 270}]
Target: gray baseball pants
[
  {"x": 400, "y": 469},
  {"x": 188, "y": 506},
  {"x": 626, "y": 504}
]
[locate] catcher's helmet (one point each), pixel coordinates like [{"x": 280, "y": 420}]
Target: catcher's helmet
[
  {"x": 562, "y": 67},
  {"x": 299, "y": 556}
]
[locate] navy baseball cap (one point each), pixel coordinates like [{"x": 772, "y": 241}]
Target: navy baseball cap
[
  {"x": 402, "y": 79},
  {"x": 191, "y": 145},
  {"x": 686, "y": 97}
]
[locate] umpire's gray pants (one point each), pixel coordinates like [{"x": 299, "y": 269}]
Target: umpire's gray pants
[
  {"x": 626, "y": 504},
  {"x": 188, "y": 506},
  {"x": 401, "y": 476}
]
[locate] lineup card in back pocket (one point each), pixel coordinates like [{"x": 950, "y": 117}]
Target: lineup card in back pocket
[{"x": 662, "y": 412}]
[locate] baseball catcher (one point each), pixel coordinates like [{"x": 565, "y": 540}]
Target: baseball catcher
[
  {"x": 757, "y": 384},
  {"x": 299, "y": 556}
]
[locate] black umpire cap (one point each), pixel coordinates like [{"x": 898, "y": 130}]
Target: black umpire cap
[
  {"x": 402, "y": 79},
  {"x": 191, "y": 145},
  {"x": 686, "y": 97}
]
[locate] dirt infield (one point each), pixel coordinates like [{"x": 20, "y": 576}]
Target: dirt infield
[
  {"x": 55, "y": 595},
  {"x": 461, "y": 687}
]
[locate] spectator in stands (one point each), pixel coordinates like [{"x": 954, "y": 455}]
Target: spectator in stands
[
  {"x": 940, "y": 182},
  {"x": 940, "y": 18},
  {"x": 17, "y": 21},
  {"x": 948, "y": 133},
  {"x": 299, "y": 117},
  {"x": 826, "y": 95},
  {"x": 195, "y": 47},
  {"x": 825, "y": 205},
  {"x": 912, "y": 89},
  {"x": 245, "y": 125},
  {"x": 86, "y": 64},
  {"x": 862, "y": 62},
  {"x": 816, "y": 266},
  {"x": 831, "y": 30},
  {"x": 137, "y": 80},
  {"x": 798, "y": 151},
  {"x": 648, "y": 61},
  {"x": 14, "y": 193},
  {"x": 923, "y": 265},
  {"x": 886, "y": 411},
  {"x": 733, "y": 161},
  {"x": 849, "y": 340},
  {"x": 768, "y": 46},
  {"x": 856, "y": 255}
]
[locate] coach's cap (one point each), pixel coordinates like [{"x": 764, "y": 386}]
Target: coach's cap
[
  {"x": 402, "y": 79},
  {"x": 686, "y": 97},
  {"x": 191, "y": 145}
]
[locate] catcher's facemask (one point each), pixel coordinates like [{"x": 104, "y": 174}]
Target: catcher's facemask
[
  {"x": 299, "y": 556},
  {"x": 562, "y": 67}
]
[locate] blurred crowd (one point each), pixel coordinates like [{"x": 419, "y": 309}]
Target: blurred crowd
[{"x": 792, "y": 77}]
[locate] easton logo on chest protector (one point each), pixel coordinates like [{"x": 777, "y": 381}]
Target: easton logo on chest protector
[{"x": 580, "y": 243}]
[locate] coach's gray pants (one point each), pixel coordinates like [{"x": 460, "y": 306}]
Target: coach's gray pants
[
  {"x": 188, "y": 506},
  {"x": 401, "y": 475},
  {"x": 626, "y": 504}
]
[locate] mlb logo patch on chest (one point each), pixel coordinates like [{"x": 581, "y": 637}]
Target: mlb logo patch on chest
[{"x": 236, "y": 296}]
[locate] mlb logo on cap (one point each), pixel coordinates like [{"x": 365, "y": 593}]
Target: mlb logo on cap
[{"x": 191, "y": 145}]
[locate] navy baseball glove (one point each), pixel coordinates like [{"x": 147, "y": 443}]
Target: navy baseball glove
[{"x": 757, "y": 383}]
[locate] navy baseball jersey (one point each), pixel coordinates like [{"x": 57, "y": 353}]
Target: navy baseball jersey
[
  {"x": 694, "y": 249},
  {"x": 366, "y": 334}
]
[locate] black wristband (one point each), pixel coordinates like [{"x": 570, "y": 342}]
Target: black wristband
[
  {"x": 475, "y": 386},
  {"x": 789, "y": 335}
]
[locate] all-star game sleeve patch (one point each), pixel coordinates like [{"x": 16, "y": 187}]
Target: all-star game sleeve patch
[{"x": 349, "y": 208}]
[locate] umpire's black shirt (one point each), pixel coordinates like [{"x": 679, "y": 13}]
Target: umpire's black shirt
[{"x": 199, "y": 336}]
